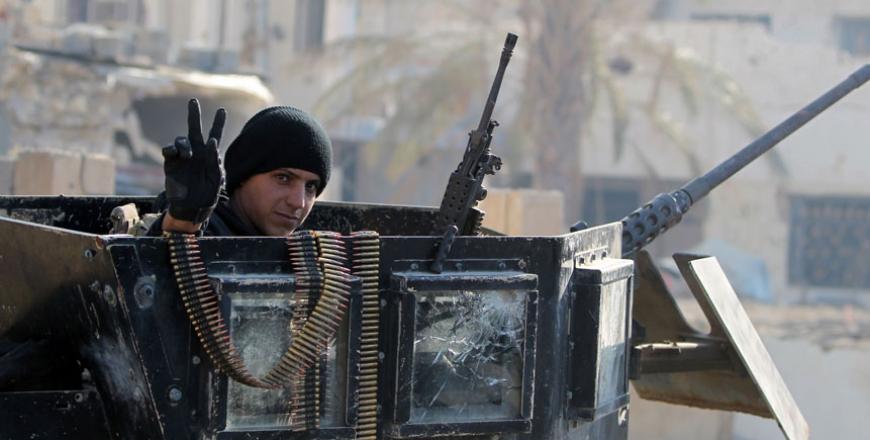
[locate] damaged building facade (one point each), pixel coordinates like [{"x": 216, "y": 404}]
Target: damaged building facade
[
  {"x": 803, "y": 216},
  {"x": 87, "y": 98},
  {"x": 85, "y": 126}
]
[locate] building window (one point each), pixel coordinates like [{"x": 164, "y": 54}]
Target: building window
[
  {"x": 854, "y": 34},
  {"x": 309, "y": 23},
  {"x": 105, "y": 11},
  {"x": 609, "y": 199},
  {"x": 665, "y": 10},
  {"x": 829, "y": 242},
  {"x": 77, "y": 11},
  {"x": 757, "y": 19}
]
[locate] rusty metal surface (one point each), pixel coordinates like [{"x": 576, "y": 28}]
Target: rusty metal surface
[
  {"x": 654, "y": 307},
  {"x": 93, "y": 214},
  {"x": 60, "y": 284},
  {"x": 668, "y": 357},
  {"x": 727, "y": 389},
  {"x": 721, "y": 299},
  {"x": 748, "y": 383}
]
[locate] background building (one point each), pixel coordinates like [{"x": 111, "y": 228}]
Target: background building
[{"x": 668, "y": 88}]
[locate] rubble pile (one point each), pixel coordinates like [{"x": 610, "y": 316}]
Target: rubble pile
[{"x": 55, "y": 103}]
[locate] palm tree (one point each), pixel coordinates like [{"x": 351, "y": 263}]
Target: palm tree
[
  {"x": 556, "y": 90},
  {"x": 429, "y": 89}
]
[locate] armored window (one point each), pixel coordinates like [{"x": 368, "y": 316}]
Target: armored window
[
  {"x": 262, "y": 309},
  {"x": 466, "y": 353}
]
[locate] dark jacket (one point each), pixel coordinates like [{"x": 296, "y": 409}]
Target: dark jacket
[{"x": 222, "y": 222}]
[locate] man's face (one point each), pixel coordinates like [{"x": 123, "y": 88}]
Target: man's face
[{"x": 276, "y": 202}]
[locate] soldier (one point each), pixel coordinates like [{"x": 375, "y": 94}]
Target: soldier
[{"x": 275, "y": 169}]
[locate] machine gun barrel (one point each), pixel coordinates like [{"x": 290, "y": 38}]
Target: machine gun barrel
[
  {"x": 465, "y": 185},
  {"x": 457, "y": 214},
  {"x": 665, "y": 210},
  {"x": 476, "y": 148}
]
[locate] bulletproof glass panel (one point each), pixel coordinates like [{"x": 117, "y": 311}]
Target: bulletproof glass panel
[
  {"x": 260, "y": 325},
  {"x": 468, "y": 355}
]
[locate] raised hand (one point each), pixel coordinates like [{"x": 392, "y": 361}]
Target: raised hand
[{"x": 192, "y": 167}]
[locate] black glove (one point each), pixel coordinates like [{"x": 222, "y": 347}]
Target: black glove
[{"x": 194, "y": 175}]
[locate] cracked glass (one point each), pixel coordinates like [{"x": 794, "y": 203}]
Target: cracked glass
[
  {"x": 259, "y": 325},
  {"x": 468, "y": 355}
]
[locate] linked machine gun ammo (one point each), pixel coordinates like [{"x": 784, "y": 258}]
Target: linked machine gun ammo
[{"x": 342, "y": 331}]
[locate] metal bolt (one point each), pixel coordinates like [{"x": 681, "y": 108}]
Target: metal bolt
[
  {"x": 195, "y": 360},
  {"x": 501, "y": 265},
  {"x": 79, "y": 397},
  {"x": 109, "y": 295},
  {"x": 381, "y": 355},
  {"x": 89, "y": 254},
  {"x": 623, "y": 415},
  {"x": 415, "y": 266},
  {"x": 175, "y": 394},
  {"x": 144, "y": 292},
  {"x": 522, "y": 264},
  {"x": 459, "y": 266}
]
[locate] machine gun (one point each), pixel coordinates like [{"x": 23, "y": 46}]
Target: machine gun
[
  {"x": 458, "y": 214},
  {"x": 666, "y": 210},
  {"x": 519, "y": 338},
  {"x": 666, "y": 349}
]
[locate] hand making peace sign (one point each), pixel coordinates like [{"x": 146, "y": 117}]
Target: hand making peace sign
[{"x": 192, "y": 166}]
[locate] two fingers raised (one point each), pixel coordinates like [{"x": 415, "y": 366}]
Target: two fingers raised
[
  {"x": 184, "y": 147},
  {"x": 194, "y": 123}
]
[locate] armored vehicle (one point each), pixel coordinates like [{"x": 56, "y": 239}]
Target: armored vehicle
[{"x": 376, "y": 321}]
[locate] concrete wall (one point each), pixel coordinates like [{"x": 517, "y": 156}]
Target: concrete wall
[
  {"x": 524, "y": 212},
  {"x": 649, "y": 420},
  {"x": 7, "y": 167},
  {"x": 829, "y": 386},
  {"x": 48, "y": 102},
  {"x": 52, "y": 172}
]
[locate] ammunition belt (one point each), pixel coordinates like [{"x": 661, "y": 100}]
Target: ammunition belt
[
  {"x": 365, "y": 254},
  {"x": 323, "y": 274}
]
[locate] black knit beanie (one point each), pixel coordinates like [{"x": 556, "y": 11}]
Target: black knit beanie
[{"x": 278, "y": 137}]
